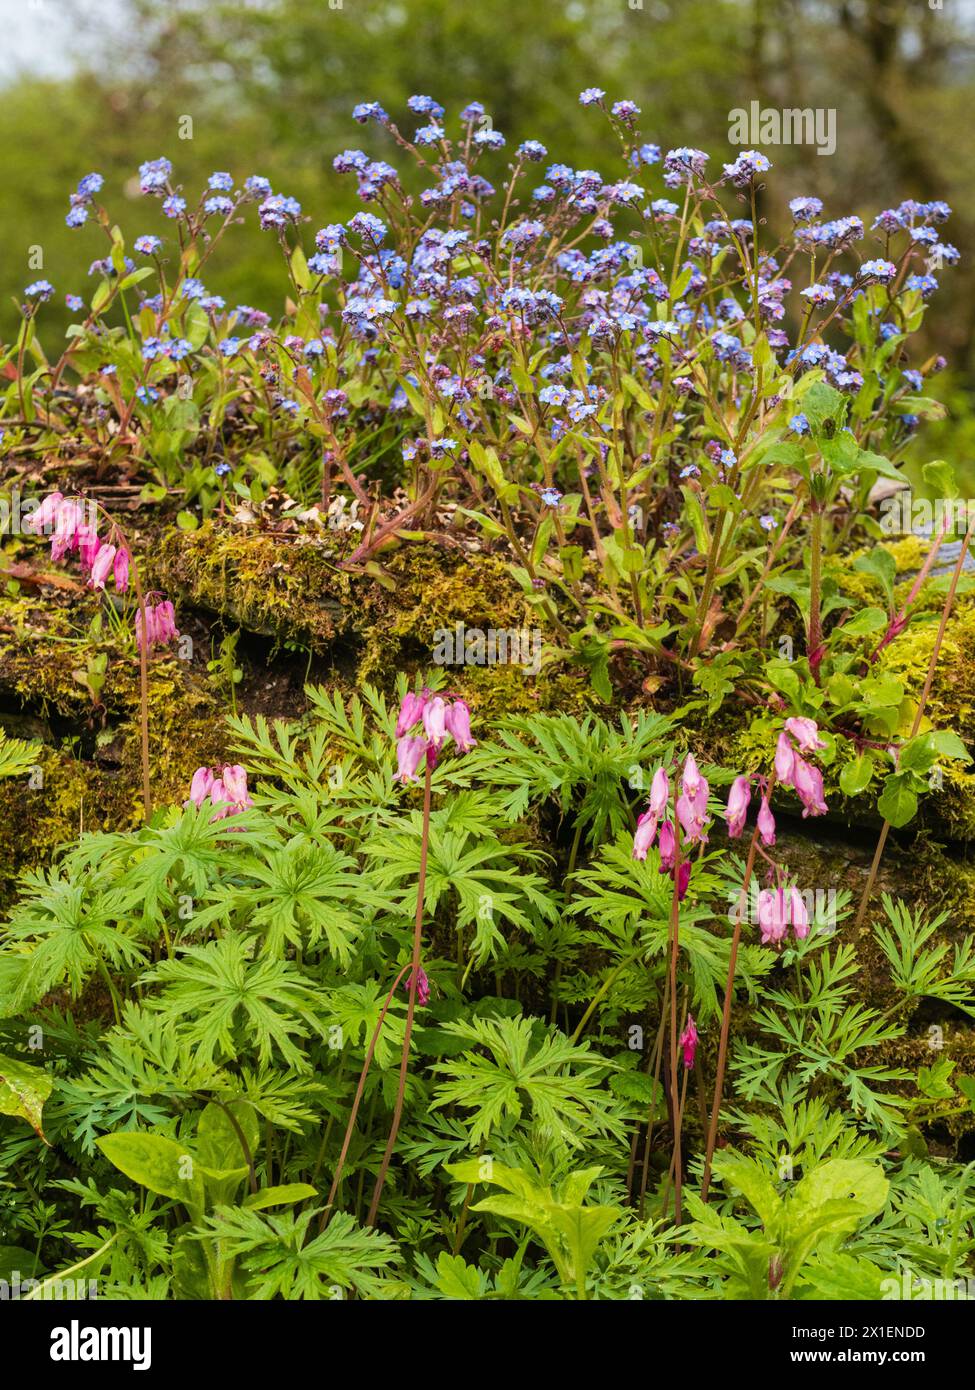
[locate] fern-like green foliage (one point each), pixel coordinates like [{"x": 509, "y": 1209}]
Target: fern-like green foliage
[
  {"x": 299, "y": 894},
  {"x": 280, "y": 1260},
  {"x": 920, "y": 964},
  {"x": 67, "y": 928},
  {"x": 213, "y": 989},
  {"x": 17, "y": 756},
  {"x": 629, "y": 902},
  {"x": 522, "y": 1071},
  {"x": 593, "y": 768},
  {"x": 218, "y": 996},
  {"x": 486, "y": 883}
]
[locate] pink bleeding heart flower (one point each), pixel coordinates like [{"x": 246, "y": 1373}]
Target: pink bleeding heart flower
[
  {"x": 166, "y": 630},
  {"x": 457, "y": 721},
  {"x": 738, "y": 799},
  {"x": 805, "y": 732},
  {"x": 683, "y": 879},
  {"x": 409, "y": 754},
  {"x": 68, "y": 519},
  {"x": 435, "y": 721},
  {"x": 771, "y": 915},
  {"x": 410, "y": 711},
  {"x": 688, "y": 1042},
  {"x": 160, "y": 625},
  {"x": 201, "y": 785},
  {"x": 422, "y": 986},
  {"x": 659, "y": 792},
  {"x": 691, "y": 778},
  {"x": 102, "y": 566},
  {"x": 667, "y": 847},
  {"x": 145, "y": 632},
  {"x": 766, "y": 823},
  {"x": 228, "y": 792},
  {"x": 235, "y": 784},
  {"x": 809, "y": 786},
  {"x": 785, "y": 760},
  {"x": 121, "y": 569},
  {"x": 687, "y": 817},
  {"x": 45, "y": 514},
  {"x": 219, "y": 798},
  {"x": 646, "y": 832},
  {"x": 88, "y": 545},
  {"x": 798, "y": 913},
  {"x": 692, "y": 812}
]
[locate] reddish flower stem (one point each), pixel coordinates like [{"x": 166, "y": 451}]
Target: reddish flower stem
[
  {"x": 899, "y": 622},
  {"x": 677, "y": 1111},
  {"x": 726, "y": 1010},
  {"x": 358, "y": 1100},
  {"x": 411, "y": 1007}
]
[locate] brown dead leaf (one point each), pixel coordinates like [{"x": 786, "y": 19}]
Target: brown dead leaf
[{"x": 26, "y": 574}]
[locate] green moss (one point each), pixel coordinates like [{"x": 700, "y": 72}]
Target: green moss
[
  {"x": 41, "y": 654},
  {"x": 51, "y": 806},
  {"x": 388, "y": 620},
  {"x": 291, "y": 590},
  {"x": 908, "y": 554},
  {"x": 432, "y": 593},
  {"x": 89, "y": 774}
]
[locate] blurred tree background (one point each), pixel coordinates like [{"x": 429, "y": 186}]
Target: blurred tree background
[{"x": 269, "y": 85}]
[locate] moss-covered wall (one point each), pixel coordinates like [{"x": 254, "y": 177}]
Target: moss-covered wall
[{"x": 369, "y": 627}]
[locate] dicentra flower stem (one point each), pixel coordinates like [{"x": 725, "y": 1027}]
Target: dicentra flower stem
[
  {"x": 143, "y": 663},
  {"x": 357, "y": 1101},
  {"x": 671, "y": 1170},
  {"x": 656, "y": 1063},
  {"x": 411, "y": 1007},
  {"x": 919, "y": 713},
  {"x": 726, "y": 1010},
  {"x": 143, "y": 693},
  {"x": 676, "y": 1109},
  {"x": 899, "y": 621},
  {"x": 815, "y": 637}
]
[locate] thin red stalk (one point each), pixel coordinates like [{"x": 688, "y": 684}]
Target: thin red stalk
[
  {"x": 897, "y": 625},
  {"x": 358, "y": 1099},
  {"x": 411, "y": 1007},
  {"x": 143, "y": 691},
  {"x": 656, "y": 1062},
  {"x": 671, "y": 1170},
  {"x": 143, "y": 660},
  {"x": 726, "y": 1010},
  {"x": 676, "y": 1109}
]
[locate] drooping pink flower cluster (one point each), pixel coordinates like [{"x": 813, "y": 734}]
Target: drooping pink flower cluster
[
  {"x": 422, "y": 986},
  {"x": 688, "y": 1042},
  {"x": 737, "y": 811},
  {"x": 792, "y": 770},
  {"x": 227, "y": 790},
  {"x": 75, "y": 530},
  {"x": 441, "y": 717},
  {"x": 160, "y": 624},
  {"x": 778, "y": 910},
  {"x": 692, "y": 815}
]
